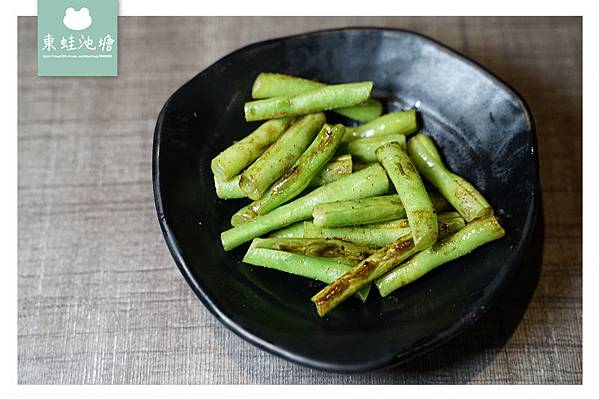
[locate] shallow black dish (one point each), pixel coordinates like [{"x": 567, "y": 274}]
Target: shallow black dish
[{"x": 485, "y": 133}]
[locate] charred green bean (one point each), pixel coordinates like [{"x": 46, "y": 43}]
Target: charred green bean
[
  {"x": 419, "y": 208},
  {"x": 274, "y": 162},
  {"x": 461, "y": 194},
  {"x": 369, "y": 182},
  {"x": 476, "y": 233}
]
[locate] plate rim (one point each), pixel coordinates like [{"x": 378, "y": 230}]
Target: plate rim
[{"x": 475, "y": 311}]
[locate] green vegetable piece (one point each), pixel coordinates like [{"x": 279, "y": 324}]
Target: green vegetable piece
[
  {"x": 367, "y": 211},
  {"x": 369, "y": 182},
  {"x": 334, "y": 170},
  {"x": 379, "y": 234},
  {"x": 476, "y": 233},
  {"x": 229, "y": 189},
  {"x": 461, "y": 194},
  {"x": 269, "y": 85},
  {"x": 358, "y": 212},
  {"x": 375, "y": 266},
  {"x": 239, "y": 155},
  {"x": 363, "y": 234},
  {"x": 320, "y": 269},
  {"x": 399, "y": 122},
  {"x": 342, "y": 250},
  {"x": 274, "y": 162},
  {"x": 299, "y": 176},
  {"x": 419, "y": 208},
  {"x": 311, "y": 101},
  {"x": 363, "y": 273}
]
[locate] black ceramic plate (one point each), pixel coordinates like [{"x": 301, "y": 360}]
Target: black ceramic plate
[{"x": 484, "y": 131}]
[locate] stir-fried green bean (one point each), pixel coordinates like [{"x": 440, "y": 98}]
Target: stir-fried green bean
[
  {"x": 419, "y": 209},
  {"x": 239, "y": 155},
  {"x": 268, "y": 85},
  {"x": 461, "y": 194},
  {"x": 379, "y": 234},
  {"x": 320, "y": 269},
  {"x": 338, "y": 168},
  {"x": 398, "y": 122},
  {"x": 373, "y": 267},
  {"x": 369, "y": 182},
  {"x": 299, "y": 176},
  {"x": 274, "y": 162},
  {"x": 342, "y": 250},
  {"x": 312, "y": 101},
  {"x": 229, "y": 189},
  {"x": 476, "y": 233},
  {"x": 367, "y": 211}
]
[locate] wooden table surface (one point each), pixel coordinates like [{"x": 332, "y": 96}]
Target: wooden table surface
[{"x": 100, "y": 300}]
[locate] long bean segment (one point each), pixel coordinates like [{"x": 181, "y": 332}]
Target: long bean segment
[
  {"x": 369, "y": 182},
  {"x": 268, "y": 85},
  {"x": 320, "y": 269},
  {"x": 476, "y": 233},
  {"x": 341, "y": 250},
  {"x": 398, "y": 122},
  {"x": 363, "y": 150},
  {"x": 363, "y": 273},
  {"x": 461, "y": 194},
  {"x": 367, "y": 211},
  {"x": 419, "y": 209},
  {"x": 239, "y": 155},
  {"x": 380, "y": 234},
  {"x": 229, "y": 189},
  {"x": 274, "y": 162},
  {"x": 374, "y": 266},
  {"x": 358, "y": 212},
  {"x": 311, "y": 101},
  {"x": 365, "y": 234},
  {"x": 299, "y": 176},
  {"x": 334, "y": 170}
]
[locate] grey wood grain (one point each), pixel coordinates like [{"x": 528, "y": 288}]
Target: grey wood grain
[{"x": 101, "y": 302}]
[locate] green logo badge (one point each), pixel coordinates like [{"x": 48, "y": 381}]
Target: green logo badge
[{"x": 77, "y": 37}]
